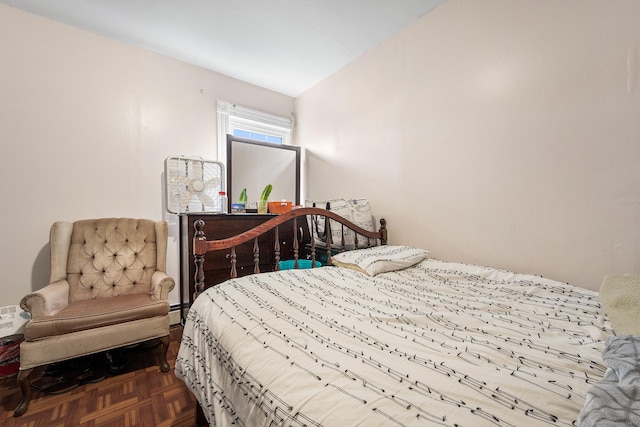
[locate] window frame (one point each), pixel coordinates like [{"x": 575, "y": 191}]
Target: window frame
[{"x": 231, "y": 116}]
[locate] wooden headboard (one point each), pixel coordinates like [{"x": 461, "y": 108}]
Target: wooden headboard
[{"x": 362, "y": 238}]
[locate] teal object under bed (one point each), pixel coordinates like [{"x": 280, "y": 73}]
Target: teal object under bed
[{"x": 302, "y": 264}]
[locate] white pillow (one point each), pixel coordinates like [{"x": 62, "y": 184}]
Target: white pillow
[
  {"x": 357, "y": 211},
  {"x": 379, "y": 259}
]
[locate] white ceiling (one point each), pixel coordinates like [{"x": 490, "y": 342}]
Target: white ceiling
[{"x": 283, "y": 45}]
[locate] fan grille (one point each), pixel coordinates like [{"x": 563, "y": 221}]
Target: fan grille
[{"x": 193, "y": 184}]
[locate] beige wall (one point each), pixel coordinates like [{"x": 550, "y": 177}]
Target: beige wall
[
  {"x": 498, "y": 132},
  {"x": 85, "y": 125}
]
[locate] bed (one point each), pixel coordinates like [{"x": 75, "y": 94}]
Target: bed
[{"x": 388, "y": 336}]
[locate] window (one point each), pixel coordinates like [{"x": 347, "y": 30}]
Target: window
[
  {"x": 251, "y": 124},
  {"x": 242, "y": 133}
]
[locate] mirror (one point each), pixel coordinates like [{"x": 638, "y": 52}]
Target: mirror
[{"x": 254, "y": 164}]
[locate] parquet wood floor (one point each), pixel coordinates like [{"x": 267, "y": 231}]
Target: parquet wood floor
[{"x": 141, "y": 396}]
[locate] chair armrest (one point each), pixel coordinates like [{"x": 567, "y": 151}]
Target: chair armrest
[
  {"x": 47, "y": 301},
  {"x": 161, "y": 285}
]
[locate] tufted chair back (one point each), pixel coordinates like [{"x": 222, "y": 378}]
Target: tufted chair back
[{"x": 109, "y": 257}]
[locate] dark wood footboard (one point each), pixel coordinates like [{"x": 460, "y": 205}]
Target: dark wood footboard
[{"x": 313, "y": 216}]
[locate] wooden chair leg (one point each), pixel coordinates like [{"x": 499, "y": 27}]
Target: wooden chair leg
[
  {"x": 24, "y": 381},
  {"x": 164, "y": 346}
]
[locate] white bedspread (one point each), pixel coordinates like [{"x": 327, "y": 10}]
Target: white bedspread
[{"x": 439, "y": 344}]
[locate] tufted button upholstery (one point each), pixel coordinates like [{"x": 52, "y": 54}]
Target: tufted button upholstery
[{"x": 111, "y": 257}]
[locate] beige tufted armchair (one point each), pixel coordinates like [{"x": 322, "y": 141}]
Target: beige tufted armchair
[{"x": 108, "y": 289}]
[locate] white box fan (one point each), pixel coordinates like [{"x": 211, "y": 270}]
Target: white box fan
[{"x": 193, "y": 185}]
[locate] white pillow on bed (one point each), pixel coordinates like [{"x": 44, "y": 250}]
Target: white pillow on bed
[
  {"x": 379, "y": 259},
  {"x": 357, "y": 211}
]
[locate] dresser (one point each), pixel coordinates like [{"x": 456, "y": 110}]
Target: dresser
[{"x": 217, "y": 266}]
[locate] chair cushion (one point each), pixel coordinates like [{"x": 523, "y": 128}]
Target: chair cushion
[{"x": 89, "y": 314}]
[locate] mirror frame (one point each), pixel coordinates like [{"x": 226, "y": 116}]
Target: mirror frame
[{"x": 231, "y": 140}]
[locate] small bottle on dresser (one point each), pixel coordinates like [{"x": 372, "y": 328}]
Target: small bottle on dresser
[{"x": 222, "y": 200}]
